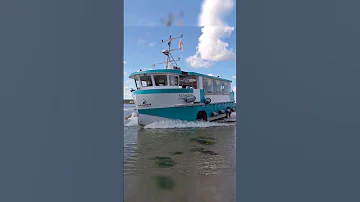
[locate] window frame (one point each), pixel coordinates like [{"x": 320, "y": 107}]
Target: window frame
[
  {"x": 216, "y": 85},
  {"x": 151, "y": 79},
  {"x": 164, "y": 75},
  {"x": 227, "y": 86},
  {"x": 176, "y": 77},
  {"x": 205, "y": 79}
]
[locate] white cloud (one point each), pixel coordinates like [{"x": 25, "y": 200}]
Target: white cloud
[
  {"x": 234, "y": 77},
  {"x": 234, "y": 89},
  {"x": 125, "y": 62},
  {"x": 151, "y": 44},
  {"x": 127, "y": 96},
  {"x": 144, "y": 41},
  {"x": 196, "y": 61},
  {"x": 127, "y": 86},
  {"x": 211, "y": 47},
  {"x": 210, "y": 75}
]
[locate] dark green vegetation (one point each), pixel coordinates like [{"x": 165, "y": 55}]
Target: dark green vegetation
[
  {"x": 209, "y": 152},
  {"x": 167, "y": 162},
  {"x": 203, "y": 140},
  {"x": 165, "y": 182},
  {"x": 176, "y": 153},
  {"x": 164, "y": 161},
  {"x": 202, "y": 150},
  {"x": 129, "y": 101},
  {"x": 197, "y": 149}
]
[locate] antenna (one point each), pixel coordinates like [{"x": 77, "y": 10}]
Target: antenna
[{"x": 168, "y": 52}]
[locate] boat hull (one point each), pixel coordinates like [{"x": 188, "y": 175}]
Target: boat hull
[
  {"x": 172, "y": 104},
  {"x": 183, "y": 113},
  {"x": 145, "y": 119}
]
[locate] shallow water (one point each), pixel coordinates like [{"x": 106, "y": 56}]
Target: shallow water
[{"x": 207, "y": 174}]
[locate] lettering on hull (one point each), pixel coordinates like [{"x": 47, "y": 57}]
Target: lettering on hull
[
  {"x": 182, "y": 96},
  {"x": 144, "y": 104}
]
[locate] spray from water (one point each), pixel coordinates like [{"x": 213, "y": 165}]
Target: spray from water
[
  {"x": 132, "y": 120},
  {"x": 184, "y": 124}
]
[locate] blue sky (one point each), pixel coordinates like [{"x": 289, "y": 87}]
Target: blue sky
[{"x": 144, "y": 32}]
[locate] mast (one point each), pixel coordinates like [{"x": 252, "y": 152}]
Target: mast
[{"x": 169, "y": 58}]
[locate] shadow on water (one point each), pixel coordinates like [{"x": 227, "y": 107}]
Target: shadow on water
[{"x": 165, "y": 182}]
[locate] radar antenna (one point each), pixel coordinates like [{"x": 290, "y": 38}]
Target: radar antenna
[{"x": 170, "y": 59}]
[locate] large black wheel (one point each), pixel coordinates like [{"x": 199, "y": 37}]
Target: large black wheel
[{"x": 201, "y": 116}]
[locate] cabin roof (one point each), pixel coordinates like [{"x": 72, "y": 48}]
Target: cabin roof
[{"x": 175, "y": 71}]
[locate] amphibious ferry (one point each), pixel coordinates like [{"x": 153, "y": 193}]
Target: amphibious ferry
[{"x": 172, "y": 94}]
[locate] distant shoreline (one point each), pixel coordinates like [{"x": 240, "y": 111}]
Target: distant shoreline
[{"x": 129, "y": 101}]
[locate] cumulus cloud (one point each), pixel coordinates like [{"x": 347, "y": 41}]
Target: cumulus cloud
[
  {"x": 234, "y": 77},
  {"x": 196, "y": 61},
  {"x": 211, "y": 45}
]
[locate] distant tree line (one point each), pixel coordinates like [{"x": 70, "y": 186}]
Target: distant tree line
[{"x": 128, "y": 101}]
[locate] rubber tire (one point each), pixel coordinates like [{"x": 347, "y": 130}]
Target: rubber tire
[{"x": 201, "y": 116}]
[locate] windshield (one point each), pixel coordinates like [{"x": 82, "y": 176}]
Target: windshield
[
  {"x": 160, "y": 80},
  {"x": 145, "y": 81}
]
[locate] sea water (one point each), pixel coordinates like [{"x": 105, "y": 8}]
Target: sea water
[{"x": 198, "y": 172}]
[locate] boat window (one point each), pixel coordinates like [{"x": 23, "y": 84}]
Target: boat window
[
  {"x": 208, "y": 85},
  {"x": 160, "y": 80},
  {"x": 225, "y": 87},
  {"x": 174, "y": 80},
  {"x": 217, "y": 86},
  {"x": 137, "y": 83},
  {"x": 146, "y": 81},
  {"x": 188, "y": 82}
]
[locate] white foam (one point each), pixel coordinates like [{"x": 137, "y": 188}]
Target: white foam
[
  {"x": 232, "y": 118},
  {"x": 184, "y": 124},
  {"x": 133, "y": 120}
]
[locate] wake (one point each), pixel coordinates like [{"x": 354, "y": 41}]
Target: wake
[{"x": 132, "y": 120}]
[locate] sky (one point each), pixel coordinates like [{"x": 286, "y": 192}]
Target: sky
[{"x": 209, "y": 37}]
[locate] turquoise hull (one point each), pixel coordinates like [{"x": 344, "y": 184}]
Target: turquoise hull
[{"x": 188, "y": 113}]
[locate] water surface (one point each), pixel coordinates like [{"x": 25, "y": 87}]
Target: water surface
[{"x": 200, "y": 172}]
